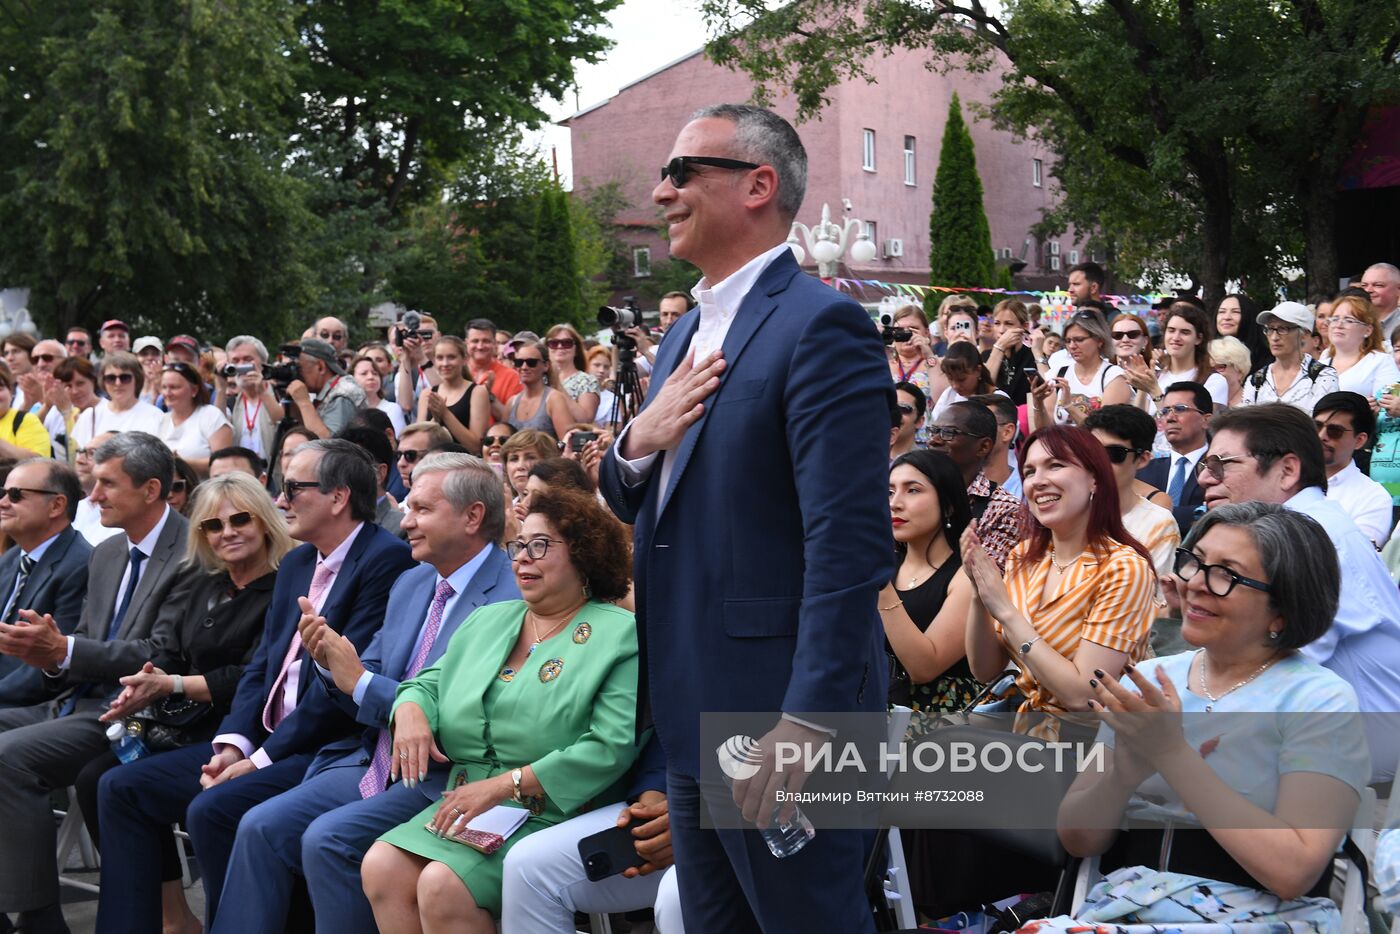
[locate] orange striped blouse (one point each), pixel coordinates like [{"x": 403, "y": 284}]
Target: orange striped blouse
[{"x": 1106, "y": 598}]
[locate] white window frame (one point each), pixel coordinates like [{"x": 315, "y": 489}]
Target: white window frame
[
  {"x": 641, "y": 262},
  {"x": 1074, "y": 257},
  {"x": 867, "y": 149},
  {"x": 910, "y": 169},
  {"x": 873, "y": 230},
  {"x": 1037, "y": 173}
]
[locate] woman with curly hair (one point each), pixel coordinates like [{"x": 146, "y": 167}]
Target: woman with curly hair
[{"x": 552, "y": 728}]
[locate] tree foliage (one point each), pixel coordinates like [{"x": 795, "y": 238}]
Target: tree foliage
[
  {"x": 555, "y": 295},
  {"x": 960, "y": 240}
]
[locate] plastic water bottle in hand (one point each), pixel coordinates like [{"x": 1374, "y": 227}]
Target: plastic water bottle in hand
[
  {"x": 739, "y": 758},
  {"x": 126, "y": 743}
]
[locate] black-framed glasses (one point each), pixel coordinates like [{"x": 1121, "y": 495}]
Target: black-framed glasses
[
  {"x": 1215, "y": 464},
  {"x": 411, "y": 456},
  {"x": 677, "y": 170},
  {"x": 906, "y": 409},
  {"x": 112, "y": 379},
  {"x": 16, "y": 493},
  {"x": 948, "y": 433},
  {"x": 1118, "y": 453},
  {"x": 536, "y": 548},
  {"x": 1279, "y": 330},
  {"x": 1126, "y": 335},
  {"x": 332, "y": 335},
  {"x": 290, "y": 488},
  {"x": 214, "y": 525},
  {"x": 1180, "y": 408},
  {"x": 491, "y": 441},
  {"x": 531, "y": 362},
  {"x": 1333, "y": 430},
  {"x": 1220, "y": 580}
]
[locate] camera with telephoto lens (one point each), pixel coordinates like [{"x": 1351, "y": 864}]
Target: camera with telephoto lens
[
  {"x": 235, "y": 370},
  {"x": 619, "y": 320},
  {"x": 282, "y": 375},
  {"x": 412, "y": 322},
  {"x": 890, "y": 334}
]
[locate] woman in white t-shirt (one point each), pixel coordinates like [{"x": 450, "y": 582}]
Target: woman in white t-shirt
[
  {"x": 123, "y": 410},
  {"x": 366, "y": 374},
  {"x": 1186, "y": 338},
  {"x": 1089, "y": 382},
  {"x": 1358, "y": 349},
  {"x": 193, "y": 428}
]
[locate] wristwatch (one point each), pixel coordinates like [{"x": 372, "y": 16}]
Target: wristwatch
[
  {"x": 1026, "y": 646},
  {"x": 515, "y": 795},
  {"x": 177, "y": 685}
]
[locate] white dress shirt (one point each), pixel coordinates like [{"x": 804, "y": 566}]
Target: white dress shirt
[
  {"x": 89, "y": 523},
  {"x": 1366, "y": 501}
]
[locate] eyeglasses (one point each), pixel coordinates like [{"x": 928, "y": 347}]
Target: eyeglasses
[
  {"x": 948, "y": 433},
  {"x": 560, "y": 343},
  {"x": 43, "y": 358},
  {"x": 518, "y": 362},
  {"x": 1216, "y": 464},
  {"x": 81, "y": 342},
  {"x": 411, "y": 456},
  {"x": 490, "y": 441},
  {"x": 112, "y": 379},
  {"x": 1180, "y": 408},
  {"x": 332, "y": 335},
  {"x": 905, "y": 408},
  {"x": 16, "y": 493},
  {"x": 1118, "y": 453},
  {"x": 215, "y": 525},
  {"x": 1279, "y": 330},
  {"x": 678, "y": 168},
  {"x": 1076, "y": 341},
  {"x": 1348, "y": 321},
  {"x": 84, "y": 452},
  {"x": 536, "y": 548},
  {"x": 1220, "y": 580},
  {"x": 1126, "y": 335},
  {"x": 1333, "y": 430},
  {"x": 179, "y": 486},
  {"x": 290, "y": 488}
]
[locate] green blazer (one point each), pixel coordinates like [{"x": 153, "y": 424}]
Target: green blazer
[{"x": 570, "y": 711}]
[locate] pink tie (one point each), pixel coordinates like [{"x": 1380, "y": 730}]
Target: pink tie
[
  {"x": 377, "y": 776},
  {"x": 272, "y": 712}
]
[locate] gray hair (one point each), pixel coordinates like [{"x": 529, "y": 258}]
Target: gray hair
[
  {"x": 469, "y": 480},
  {"x": 764, "y": 137},
  {"x": 1298, "y": 557},
  {"x": 1091, "y": 320},
  {"x": 258, "y": 346},
  {"x": 345, "y": 465},
  {"x": 144, "y": 458},
  {"x": 1390, "y": 269}
]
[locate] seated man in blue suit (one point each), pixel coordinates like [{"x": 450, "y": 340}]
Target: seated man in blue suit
[
  {"x": 454, "y": 514},
  {"x": 48, "y": 571},
  {"x": 1183, "y": 412},
  {"x": 280, "y": 715}
]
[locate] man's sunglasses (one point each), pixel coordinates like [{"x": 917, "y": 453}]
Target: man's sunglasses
[
  {"x": 560, "y": 343},
  {"x": 906, "y": 408},
  {"x": 16, "y": 493},
  {"x": 1334, "y": 431},
  {"x": 43, "y": 357},
  {"x": 332, "y": 335},
  {"x": 1215, "y": 464},
  {"x": 1126, "y": 335},
  {"x": 531, "y": 362},
  {"x": 112, "y": 379},
  {"x": 1118, "y": 453},
  {"x": 412, "y": 456},
  {"x": 1179, "y": 409},
  {"x": 948, "y": 433},
  {"x": 677, "y": 169},
  {"x": 215, "y": 525}
]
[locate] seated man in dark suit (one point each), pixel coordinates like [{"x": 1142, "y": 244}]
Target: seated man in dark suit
[
  {"x": 48, "y": 571},
  {"x": 322, "y": 828},
  {"x": 1183, "y": 412},
  {"x": 43, "y": 746},
  {"x": 280, "y": 715}
]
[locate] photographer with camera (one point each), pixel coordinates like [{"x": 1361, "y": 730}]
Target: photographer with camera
[
  {"x": 255, "y": 409},
  {"x": 412, "y": 338},
  {"x": 325, "y": 398}
]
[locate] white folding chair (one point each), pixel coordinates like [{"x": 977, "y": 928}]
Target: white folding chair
[
  {"x": 72, "y": 834},
  {"x": 899, "y": 895}
]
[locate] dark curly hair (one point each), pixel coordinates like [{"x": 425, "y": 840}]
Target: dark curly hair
[{"x": 598, "y": 543}]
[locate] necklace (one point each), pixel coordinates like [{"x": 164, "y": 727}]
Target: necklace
[
  {"x": 1062, "y": 568},
  {"x": 535, "y": 625},
  {"x": 1211, "y": 697},
  {"x": 933, "y": 569}
]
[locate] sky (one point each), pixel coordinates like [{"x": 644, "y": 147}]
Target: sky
[{"x": 647, "y": 34}]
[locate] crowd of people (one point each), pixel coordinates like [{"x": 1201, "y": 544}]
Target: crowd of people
[{"x": 326, "y": 607}]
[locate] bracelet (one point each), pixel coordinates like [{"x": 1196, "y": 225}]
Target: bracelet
[
  {"x": 515, "y": 780},
  {"x": 177, "y": 685}
]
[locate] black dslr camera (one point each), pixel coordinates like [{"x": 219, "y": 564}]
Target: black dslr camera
[
  {"x": 412, "y": 322},
  {"x": 282, "y": 375},
  {"x": 890, "y": 334},
  {"x": 619, "y": 320}
]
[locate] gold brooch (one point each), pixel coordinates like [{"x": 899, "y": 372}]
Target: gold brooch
[
  {"x": 507, "y": 674},
  {"x": 551, "y": 669},
  {"x": 582, "y": 633}
]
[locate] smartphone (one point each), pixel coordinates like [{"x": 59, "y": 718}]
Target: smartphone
[
  {"x": 579, "y": 439},
  {"x": 1032, "y": 374},
  {"x": 609, "y": 852}
]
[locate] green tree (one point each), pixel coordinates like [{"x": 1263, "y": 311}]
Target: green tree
[
  {"x": 555, "y": 295},
  {"x": 960, "y": 240}
]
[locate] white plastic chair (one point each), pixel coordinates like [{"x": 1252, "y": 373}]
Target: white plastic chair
[
  {"x": 899, "y": 895},
  {"x": 72, "y": 834}
]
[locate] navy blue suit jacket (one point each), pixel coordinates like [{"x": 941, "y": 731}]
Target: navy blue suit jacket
[
  {"x": 1193, "y": 498},
  {"x": 757, "y": 569},
  {"x": 354, "y": 608},
  {"x": 57, "y": 586},
  {"x": 392, "y": 649}
]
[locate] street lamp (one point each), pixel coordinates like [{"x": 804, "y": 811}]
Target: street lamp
[{"x": 829, "y": 241}]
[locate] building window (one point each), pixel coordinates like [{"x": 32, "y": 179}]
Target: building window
[
  {"x": 1074, "y": 257},
  {"x": 867, "y": 150},
  {"x": 641, "y": 262},
  {"x": 1037, "y": 170},
  {"x": 874, "y": 232},
  {"x": 909, "y": 177}
]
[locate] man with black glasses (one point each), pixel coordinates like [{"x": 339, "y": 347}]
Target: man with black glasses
[
  {"x": 1345, "y": 425},
  {"x": 334, "y": 332},
  {"x": 912, "y": 404},
  {"x": 966, "y": 432},
  {"x": 1182, "y": 414}
]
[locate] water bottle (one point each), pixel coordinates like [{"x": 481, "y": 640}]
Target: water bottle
[
  {"x": 126, "y": 742},
  {"x": 739, "y": 757}
]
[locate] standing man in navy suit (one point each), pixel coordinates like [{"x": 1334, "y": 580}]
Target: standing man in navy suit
[
  {"x": 755, "y": 476},
  {"x": 1183, "y": 412},
  {"x": 280, "y": 716},
  {"x": 321, "y": 829}
]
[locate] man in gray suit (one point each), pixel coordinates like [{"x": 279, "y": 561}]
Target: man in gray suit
[
  {"x": 131, "y": 578},
  {"x": 47, "y": 572}
]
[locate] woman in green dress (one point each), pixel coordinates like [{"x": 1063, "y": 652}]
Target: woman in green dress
[{"x": 534, "y": 703}]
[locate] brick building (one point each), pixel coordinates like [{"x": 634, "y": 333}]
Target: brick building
[{"x": 875, "y": 148}]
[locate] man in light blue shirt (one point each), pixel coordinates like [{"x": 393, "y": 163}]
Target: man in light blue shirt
[{"x": 1271, "y": 453}]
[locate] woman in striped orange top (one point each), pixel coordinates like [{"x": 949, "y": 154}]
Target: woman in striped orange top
[{"x": 1077, "y": 599}]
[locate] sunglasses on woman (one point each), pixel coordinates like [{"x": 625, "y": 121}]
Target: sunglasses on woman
[
  {"x": 214, "y": 525},
  {"x": 112, "y": 379},
  {"x": 531, "y": 362},
  {"x": 560, "y": 343},
  {"x": 1118, "y": 453},
  {"x": 491, "y": 441},
  {"x": 1126, "y": 335},
  {"x": 178, "y": 486}
]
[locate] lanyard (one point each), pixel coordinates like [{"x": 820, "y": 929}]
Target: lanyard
[{"x": 251, "y": 421}]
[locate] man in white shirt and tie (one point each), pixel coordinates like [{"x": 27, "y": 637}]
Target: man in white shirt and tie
[{"x": 1183, "y": 412}]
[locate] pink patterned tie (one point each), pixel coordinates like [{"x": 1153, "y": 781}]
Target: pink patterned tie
[
  {"x": 377, "y": 776},
  {"x": 272, "y": 711}
]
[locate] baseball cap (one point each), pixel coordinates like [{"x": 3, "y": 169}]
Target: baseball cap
[
  {"x": 522, "y": 337},
  {"x": 1292, "y": 313},
  {"x": 321, "y": 350},
  {"x": 114, "y": 324},
  {"x": 147, "y": 343},
  {"x": 185, "y": 341}
]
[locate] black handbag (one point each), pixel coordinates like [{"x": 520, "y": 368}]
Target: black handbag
[{"x": 171, "y": 723}]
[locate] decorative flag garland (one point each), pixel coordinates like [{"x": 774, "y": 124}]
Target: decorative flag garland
[{"x": 1056, "y": 303}]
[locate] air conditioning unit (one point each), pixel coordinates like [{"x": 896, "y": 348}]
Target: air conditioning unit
[{"x": 894, "y": 248}]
